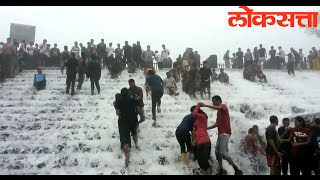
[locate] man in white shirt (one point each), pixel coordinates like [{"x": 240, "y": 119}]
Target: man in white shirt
[
  {"x": 22, "y": 49},
  {"x": 43, "y": 46},
  {"x": 282, "y": 56},
  {"x": 165, "y": 54},
  {"x": 30, "y": 48},
  {"x": 76, "y": 50},
  {"x": 159, "y": 60},
  {"x": 47, "y": 52},
  {"x": 170, "y": 85},
  {"x": 109, "y": 58},
  {"x": 43, "y": 53},
  {"x": 110, "y": 50}
]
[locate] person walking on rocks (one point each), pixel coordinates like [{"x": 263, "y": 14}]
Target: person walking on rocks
[{"x": 71, "y": 65}]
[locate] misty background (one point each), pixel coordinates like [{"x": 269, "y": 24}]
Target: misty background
[{"x": 203, "y": 28}]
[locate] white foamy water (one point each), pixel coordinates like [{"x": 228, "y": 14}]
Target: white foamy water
[{"x": 53, "y": 133}]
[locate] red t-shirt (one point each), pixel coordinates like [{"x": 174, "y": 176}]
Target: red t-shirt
[
  {"x": 223, "y": 120},
  {"x": 200, "y": 125},
  {"x": 299, "y": 136}
]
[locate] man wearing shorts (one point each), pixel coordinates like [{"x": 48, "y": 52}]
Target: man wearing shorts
[
  {"x": 127, "y": 109},
  {"x": 224, "y": 133},
  {"x": 184, "y": 137},
  {"x": 273, "y": 143}
]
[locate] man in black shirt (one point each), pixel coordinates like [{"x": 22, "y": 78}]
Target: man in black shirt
[
  {"x": 205, "y": 74},
  {"x": 262, "y": 54},
  {"x": 127, "y": 109},
  {"x": 54, "y": 55},
  {"x": 126, "y": 55},
  {"x": 192, "y": 81},
  {"x": 297, "y": 57},
  {"x": 101, "y": 50},
  {"x": 64, "y": 57},
  {"x": 82, "y": 48},
  {"x": 94, "y": 73},
  {"x": 72, "y": 65},
  {"x": 272, "y": 149},
  {"x": 138, "y": 55},
  {"x": 284, "y": 133},
  {"x": 272, "y": 54},
  {"x": 82, "y": 69},
  {"x": 239, "y": 57}
]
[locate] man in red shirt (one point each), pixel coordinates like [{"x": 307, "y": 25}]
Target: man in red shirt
[{"x": 224, "y": 132}]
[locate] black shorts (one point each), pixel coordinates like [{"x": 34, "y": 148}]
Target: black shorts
[
  {"x": 125, "y": 128},
  {"x": 205, "y": 83},
  {"x": 184, "y": 140},
  {"x": 133, "y": 127},
  {"x": 124, "y": 133}
]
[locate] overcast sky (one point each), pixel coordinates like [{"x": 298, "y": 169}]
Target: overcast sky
[{"x": 205, "y": 29}]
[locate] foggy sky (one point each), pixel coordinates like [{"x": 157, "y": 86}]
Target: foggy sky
[{"x": 205, "y": 29}]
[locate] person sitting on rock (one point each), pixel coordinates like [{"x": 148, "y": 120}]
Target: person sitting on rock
[
  {"x": 258, "y": 72},
  {"x": 170, "y": 85},
  {"x": 223, "y": 77},
  {"x": 39, "y": 81},
  {"x": 248, "y": 72},
  {"x": 214, "y": 76}
]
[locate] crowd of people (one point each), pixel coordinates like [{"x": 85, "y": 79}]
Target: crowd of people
[
  {"x": 296, "y": 147},
  {"x": 276, "y": 60},
  {"x": 15, "y": 56},
  {"x": 254, "y": 62}
]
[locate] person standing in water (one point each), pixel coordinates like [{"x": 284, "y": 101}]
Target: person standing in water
[
  {"x": 184, "y": 137},
  {"x": 272, "y": 149},
  {"x": 202, "y": 139}
]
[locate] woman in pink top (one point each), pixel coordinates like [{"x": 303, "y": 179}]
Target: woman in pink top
[{"x": 203, "y": 140}]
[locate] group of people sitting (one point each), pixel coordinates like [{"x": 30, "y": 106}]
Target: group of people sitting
[
  {"x": 252, "y": 70},
  {"x": 199, "y": 79}
]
